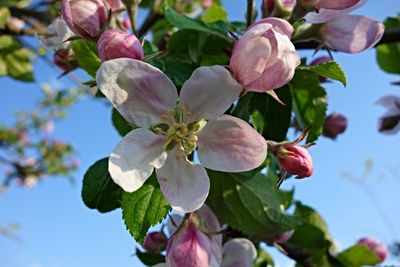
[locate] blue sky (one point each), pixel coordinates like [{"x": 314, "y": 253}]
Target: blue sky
[{"x": 59, "y": 231}]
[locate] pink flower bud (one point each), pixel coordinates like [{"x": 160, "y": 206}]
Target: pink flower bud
[
  {"x": 189, "y": 247},
  {"x": 280, "y": 238},
  {"x": 296, "y": 160},
  {"x": 155, "y": 242},
  {"x": 375, "y": 246},
  {"x": 265, "y": 58},
  {"x": 352, "y": 33},
  {"x": 15, "y": 24},
  {"x": 207, "y": 3},
  {"x": 320, "y": 60},
  {"x": 119, "y": 44},
  {"x": 86, "y": 18},
  {"x": 334, "y": 125},
  {"x": 277, "y": 8},
  {"x": 63, "y": 59}
]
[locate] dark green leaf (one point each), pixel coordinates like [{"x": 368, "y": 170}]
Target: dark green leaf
[
  {"x": 330, "y": 69},
  {"x": 178, "y": 71},
  {"x": 99, "y": 190},
  {"x": 357, "y": 256},
  {"x": 388, "y": 55},
  {"x": 120, "y": 124},
  {"x": 87, "y": 56},
  {"x": 310, "y": 102},
  {"x": 149, "y": 259},
  {"x": 144, "y": 208},
  {"x": 249, "y": 202}
]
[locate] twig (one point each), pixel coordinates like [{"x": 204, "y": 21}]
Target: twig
[
  {"x": 249, "y": 14},
  {"x": 151, "y": 19}
]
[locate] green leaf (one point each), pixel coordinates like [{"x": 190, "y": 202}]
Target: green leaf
[
  {"x": 263, "y": 259},
  {"x": 149, "y": 259},
  {"x": 215, "y": 13},
  {"x": 184, "y": 22},
  {"x": 87, "y": 55},
  {"x": 144, "y": 208},
  {"x": 177, "y": 70},
  {"x": 310, "y": 102},
  {"x": 99, "y": 190},
  {"x": 277, "y": 117},
  {"x": 330, "y": 69},
  {"x": 16, "y": 59},
  {"x": 388, "y": 55},
  {"x": 4, "y": 15},
  {"x": 249, "y": 202},
  {"x": 357, "y": 256},
  {"x": 120, "y": 124},
  {"x": 3, "y": 67},
  {"x": 258, "y": 121}
]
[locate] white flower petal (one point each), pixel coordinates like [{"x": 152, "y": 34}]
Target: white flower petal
[
  {"x": 184, "y": 184},
  {"x": 239, "y": 252},
  {"x": 208, "y": 93},
  {"x": 139, "y": 91},
  {"x": 230, "y": 144},
  {"x": 134, "y": 158}
]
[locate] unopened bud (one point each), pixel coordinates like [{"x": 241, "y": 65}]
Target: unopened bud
[
  {"x": 280, "y": 238},
  {"x": 155, "y": 242},
  {"x": 296, "y": 160},
  {"x": 378, "y": 248},
  {"x": 64, "y": 58},
  {"x": 119, "y": 44},
  {"x": 86, "y": 18},
  {"x": 277, "y": 8},
  {"x": 334, "y": 125}
]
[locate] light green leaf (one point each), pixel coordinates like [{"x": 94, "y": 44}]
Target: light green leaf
[
  {"x": 330, "y": 69},
  {"x": 263, "y": 259},
  {"x": 357, "y": 256},
  {"x": 144, "y": 208},
  {"x": 249, "y": 202},
  {"x": 388, "y": 55},
  {"x": 4, "y": 15},
  {"x": 87, "y": 56},
  {"x": 99, "y": 190},
  {"x": 215, "y": 13}
]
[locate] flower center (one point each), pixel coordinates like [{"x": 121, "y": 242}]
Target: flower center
[{"x": 179, "y": 133}]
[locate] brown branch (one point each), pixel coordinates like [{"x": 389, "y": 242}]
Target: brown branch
[
  {"x": 249, "y": 13},
  {"x": 390, "y": 36},
  {"x": 151, "y": 18}
]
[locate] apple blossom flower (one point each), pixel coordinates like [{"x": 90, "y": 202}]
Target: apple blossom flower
[
  {"x": 352, "y": 33},
  {"x": 264, "y": 58},
  {"x": 277, "y": 8},
  {"x": 168, "y": 132},
  {"x": 155, "y": 242},
  {"x": 86, "y": 18},
  {"x": 378, "y": 248},
  {"x": 239, "y": 252},
  {"x": 207, "y": 3},
  {"x": 389, "y": 123},
  {"x": 334, "y": 125},
  {"x": 347, "y": 33},
  {"x": 209, "y": 225},
  {"x": 57, "y": 34},
  {"x": 115, "y": 43}
]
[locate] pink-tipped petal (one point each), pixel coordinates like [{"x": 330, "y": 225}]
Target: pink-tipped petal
[
  {"x": 352, "y": 33},
  {"x": 278, "y": 25},
  {"x": 239, "y": 252},
  {"x": 134, "y": 158},
  {"x": 337, "y": 4},
  {"x": 184, "y": 184},
  {"x": 139, "y": 91},
  {"x": 230, "y": 144},
  {"x": 389, "y": 101},
  {"x": 208, "y": 93},
  {"x": 324, "y": 15}
]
